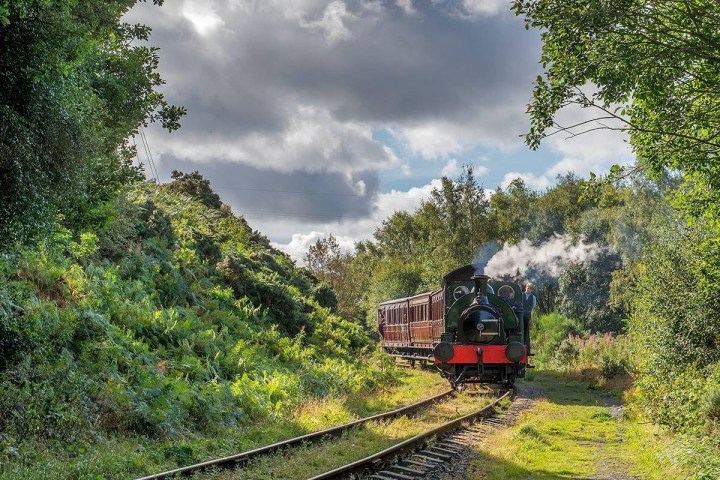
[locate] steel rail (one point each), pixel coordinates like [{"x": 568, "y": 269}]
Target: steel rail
[
  {"x": 236, "y": 460},
  {"x": 379, "y": 458}
]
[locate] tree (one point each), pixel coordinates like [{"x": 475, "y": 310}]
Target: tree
[
  {"x": 77, "y": 82},
  {"x": 656, "y": 68},
  {"x": 559, "y": 209},
  {"x": 402, "y": 236},
  {"x": 456, "y": 217},
  {"x": 510, "y": 212},
  {"x": 584, "y": 293},
  {"x": 324, "y": 259},
  {"x": 348, "y": 275}
]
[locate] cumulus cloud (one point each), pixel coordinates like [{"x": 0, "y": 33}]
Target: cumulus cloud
[
  {"x": 311, "y": 140},
  {"x": 580, "y": 153},
  {"x": 451, "y": 168},
  {"x": 481, "y": 170},
  {"x": 536, "y": 182},
  {"x": 284, "y": 96},
  {"x": 299, "y": 244},
  {"x": 332, "y": 23},
  {"x": 300, "y": 85},
  {"x": 383, "y": 205},
  {"x": 474, "y": 8},
  {"x": 203, "y": 17},
  {"x": 406, "y": 6}
]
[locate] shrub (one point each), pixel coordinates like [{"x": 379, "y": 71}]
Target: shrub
[
  {"x": 567, "y": 353},
  {"x": 675, "y": 325},
  {"x": 607, "y": 355},
  {"x": 711, "y": 405},
  {"x": 547, "y": 333}
]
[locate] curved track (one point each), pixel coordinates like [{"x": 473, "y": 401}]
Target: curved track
[{"x": 239, "y": 459}]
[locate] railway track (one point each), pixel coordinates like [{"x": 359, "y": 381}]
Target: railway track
[
  {"x": 238, "y": 460},
  {"x": 420, "y": 456}
]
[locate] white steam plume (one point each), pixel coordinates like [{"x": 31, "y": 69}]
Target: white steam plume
[{"x": 549, "y": 258}]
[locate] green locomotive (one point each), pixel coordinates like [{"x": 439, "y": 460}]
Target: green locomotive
[{"x": 472, "y": 328}]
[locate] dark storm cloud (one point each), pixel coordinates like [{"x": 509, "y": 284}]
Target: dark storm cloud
[
  {"x": 289, "y": 93},
  {"x": 262, "y": 194}
]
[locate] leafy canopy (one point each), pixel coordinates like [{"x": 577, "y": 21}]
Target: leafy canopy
[
  {"x": 77, "y": 82},
  {"x": 656, "y": 68}
]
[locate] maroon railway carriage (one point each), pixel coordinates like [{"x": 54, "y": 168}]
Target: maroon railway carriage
[
  {"x": 411, "y": 327},
  {"x": 471, "y": 333}
]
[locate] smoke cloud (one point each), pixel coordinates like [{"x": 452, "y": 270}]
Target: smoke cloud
[{"x": 526, "y": 261}]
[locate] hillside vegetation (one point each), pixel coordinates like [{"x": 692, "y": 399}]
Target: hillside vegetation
[
  {"x": 174, "y": 317},
  {"x": 127, "y": 307}
]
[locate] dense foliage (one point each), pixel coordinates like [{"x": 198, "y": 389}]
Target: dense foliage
[
  {"x": 173, "y": 318},
  {"x": 655, "y": 65},
  {"x": 653, "y": 68},
  {"x": 76, "y": 83},
  {"x": 412, "y": 251},
  {"x": 128, "y": 308}
]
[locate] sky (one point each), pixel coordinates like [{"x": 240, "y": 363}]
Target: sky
[{"x": 312, "y": 117}]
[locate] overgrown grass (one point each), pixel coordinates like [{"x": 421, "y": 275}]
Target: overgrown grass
[
  {"x": 311, "y": 460},
  {"x": 580, "y": 430},
  {"x": 609, "y": 362},
  {"x": 560, "y": 345},
  {"x": 661, "y": 455},
  {"x": 132, "y": 455},
  {"x": 573, "y": 433}
]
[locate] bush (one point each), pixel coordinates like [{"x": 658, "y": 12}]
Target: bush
[
  {"x": 675, "y": 325},
  {"x": 547, "y": 332},
  {"x": 566, "y": 354},
  {"x": 711, "y": 406}
]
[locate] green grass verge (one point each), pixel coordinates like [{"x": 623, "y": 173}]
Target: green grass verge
[
  {"x": 134, "y": 456},
  {"x": 314, "y": 459},
  {"x": 573, "y": 433},
  {"x": 580, "y": 431}
]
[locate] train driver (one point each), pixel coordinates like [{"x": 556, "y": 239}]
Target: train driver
[{"x": 529, "y": 303}]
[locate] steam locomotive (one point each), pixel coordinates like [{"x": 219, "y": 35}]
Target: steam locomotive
[{"x": 472, "y": 328}]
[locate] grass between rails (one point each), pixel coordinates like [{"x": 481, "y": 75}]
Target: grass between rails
[
  {"x": 310, "y": 460},
  {"x": 581, "y": 431},
  {"x": 130, "y": 457}
]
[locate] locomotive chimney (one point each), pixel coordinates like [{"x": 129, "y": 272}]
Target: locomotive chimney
[{"x": 481, "y": 288}]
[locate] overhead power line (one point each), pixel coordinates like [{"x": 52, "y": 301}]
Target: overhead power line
[
  {"x": 148, "y": 153},
  {"x": 332, "y": 194}
]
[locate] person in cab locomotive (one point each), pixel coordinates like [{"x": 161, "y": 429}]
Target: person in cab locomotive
[{"x": 529, "y": 303}]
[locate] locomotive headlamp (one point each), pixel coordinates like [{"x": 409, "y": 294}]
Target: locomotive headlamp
[
  {"x": 515, "y": 351},
  {"x": 444, "y": 351}
]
